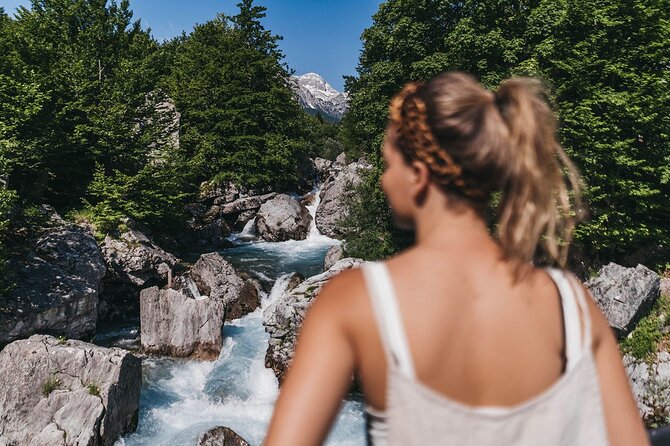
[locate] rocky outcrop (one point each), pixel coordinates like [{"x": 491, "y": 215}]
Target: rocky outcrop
[
  {"x": 187, "y": 321},
  {"x": 283, "y": 318},
  {"x": 56, "y": 392},
  {"x": 332, "y": 207},
  {"x": 283, "y": 218},
  {"x": 217, "y": 278},
  {"x": 650, "y": 383},
  {"x": 333, "y": 254},
  {"x": 58, "y": 282},
  {"x": 240, "y": 211},
  {"x": 174, "y": 323},
  {"x": 624, "y": 294},
  {"x": 207, "y": 225},
  {"x": 322, "y": 167},
  {"x": 221, "y": 436},
  {"x": 133, "y": 262}
]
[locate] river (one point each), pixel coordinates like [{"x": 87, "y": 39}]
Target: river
[{"x": 181, "y": 399}]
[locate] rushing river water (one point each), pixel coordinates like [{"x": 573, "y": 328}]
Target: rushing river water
[{"x": 181, "y": 399}]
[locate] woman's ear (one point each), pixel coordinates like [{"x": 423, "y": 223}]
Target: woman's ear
[{"x": 419, "y": 180}]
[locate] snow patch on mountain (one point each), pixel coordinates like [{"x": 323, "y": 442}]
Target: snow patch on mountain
[{"x": 315, "y": 94}]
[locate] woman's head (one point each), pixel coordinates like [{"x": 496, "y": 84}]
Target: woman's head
[{"x": 474, "y": 143}]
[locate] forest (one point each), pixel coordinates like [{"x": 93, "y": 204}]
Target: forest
[{"x": 81, "y": 83}]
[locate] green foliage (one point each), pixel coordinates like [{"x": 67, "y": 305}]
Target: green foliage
[
  {"x": 609, "y": 78},
  {"x": 52, "y": 383},
  {"x": 643, "y": 341},
  {"x": 324, "y": 138},
  {"x": 240, "y": 121},
  {"x": 62, "y": 340},
  {"x": 368, "y": 209},
  {"x": 93, "y": 389},
  {"x": 8, "y": 201}
]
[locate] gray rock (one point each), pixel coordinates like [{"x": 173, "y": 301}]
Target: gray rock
[
  {"x": 624, "y": 294},
  {"x": 221, "y": 436},
  {"x": 217, "y": 278},
  {"x": 283, "y": 218},
  {"x": 207, "y": 225},
  {"x": 133, "y": 262},
  {"x": 283, "y": 318},
  {"x": 665, "y": 286},
  {"x": 341, "y": 159},
  {"x": 650, "y": 384},
  {"x": 175, "y": 324},
  {"x": 253, "y": 202},
  {"x": 187, "y": 321},
  {"x": 333, "y": 254},
  {"x": 57, "y": 283},
  {"x": 332, "y": 208},
  {"x": 56, "y": 392},
  {"x": 322, "y": 167}
]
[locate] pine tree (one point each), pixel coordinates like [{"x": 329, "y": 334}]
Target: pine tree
[{"x": 240, "y": 120}]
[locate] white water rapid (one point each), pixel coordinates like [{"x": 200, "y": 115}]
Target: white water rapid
[{"x": 181, "y": 399}]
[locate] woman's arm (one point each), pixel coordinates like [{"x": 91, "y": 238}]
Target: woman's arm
[
  {"x": 321, "y": 372},
  {"x": 622, "y": 418}
]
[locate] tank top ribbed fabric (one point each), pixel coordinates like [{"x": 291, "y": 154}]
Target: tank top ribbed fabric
[{"x": 569, "y": 412}]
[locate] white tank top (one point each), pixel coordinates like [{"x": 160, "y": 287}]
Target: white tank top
[{"x": 568, "y": 413}]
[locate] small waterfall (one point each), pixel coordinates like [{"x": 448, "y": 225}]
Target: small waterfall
[
  {"x": 277, "y": 289},
  {"x": 193, "y": 288},
  {"x": 313, "y": 230},
  {"x": 249, "y": 230}
]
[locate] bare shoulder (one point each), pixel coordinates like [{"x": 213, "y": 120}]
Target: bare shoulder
[{"x": 341, "y": 295}]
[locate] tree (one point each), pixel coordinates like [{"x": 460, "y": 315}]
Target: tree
[
  {"x": 240, "y": 120},
  {"x": 608, "y": 74}
]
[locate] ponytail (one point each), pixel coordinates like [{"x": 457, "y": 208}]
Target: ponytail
[{"x": 535, "y": 208}]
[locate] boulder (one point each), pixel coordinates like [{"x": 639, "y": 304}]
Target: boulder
[
  {"x": 57, "y": 392},
  {"x": 283, "y": 318},
  {"x": 133, "y": 262},
  {"x": 207, "y": 225},
  {"x": 174, "y": 323},
  {"x": 322, "y": 167},
  {"x": 237, "y": 213},
  {"x": 341, "y": 159},
  {"x": 283, "y": 218},
  {"x": 221, "y": 436},
  {"x": 650, "y": 383},
  {"x": 215, "y": 277},
  {"x": 333, "y": 254},
  {"x": 624, "y": 294},
  {"x": 58, "y": 282},
  {"x": 187, "y": 320},
  {"x": 332, "y": 208}
]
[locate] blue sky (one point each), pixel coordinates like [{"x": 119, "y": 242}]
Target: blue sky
[{"x": 322, "y": 36}]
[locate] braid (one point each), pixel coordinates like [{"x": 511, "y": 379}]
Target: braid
[{"x": 417, "y": 141}]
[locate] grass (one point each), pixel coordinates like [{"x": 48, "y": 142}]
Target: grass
[
  {"x": 52, "y": 383},
  {"x": 93, "y": 389},
  {"x": 652, "y": 332}
]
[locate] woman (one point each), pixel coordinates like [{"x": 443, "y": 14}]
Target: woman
[{"x": 459, "y": 339}]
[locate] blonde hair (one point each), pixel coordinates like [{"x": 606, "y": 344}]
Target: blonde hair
[{"x": 476, "y": 142}]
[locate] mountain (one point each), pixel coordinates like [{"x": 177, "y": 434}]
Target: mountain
[{"x": 317, "y": 95}]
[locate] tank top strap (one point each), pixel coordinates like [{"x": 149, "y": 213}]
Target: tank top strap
[
  {"x": 581, "y": 298},
  {"x": 571, "y": 300},
  {"x": 388, "y": 318}
]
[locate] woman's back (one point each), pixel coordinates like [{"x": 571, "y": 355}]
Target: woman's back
[
  {"x": 472, "y": 335},
  {"x": 489, "y": 382}
]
